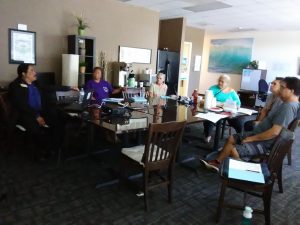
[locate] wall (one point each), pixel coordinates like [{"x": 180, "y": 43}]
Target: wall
[
  {"x": 111, "y": 22},
  {"x": 279, "y": 50},
  {"x": 196, "y": 36}
]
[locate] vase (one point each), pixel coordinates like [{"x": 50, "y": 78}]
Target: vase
[
  {"x": 82, "y": 69},
  {"x": 80, "y": 32}
]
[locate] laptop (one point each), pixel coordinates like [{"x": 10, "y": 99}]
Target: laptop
[{"x": 80, "y": 107}]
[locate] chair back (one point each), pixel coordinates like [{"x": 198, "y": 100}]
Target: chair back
[
  {"x": 263, "y": 88},
  {"x": 133, "y": 92},
  {"x": 67, "y": 96},
  {"x": 294, "y": 124},
  {"x": 162, "y": 144},
  {"x": 279, "y": 150}
]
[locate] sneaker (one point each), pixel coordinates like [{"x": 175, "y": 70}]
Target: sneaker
[
  {"x": 140, "y": 194},
  {"x": 211, "y": 165}
]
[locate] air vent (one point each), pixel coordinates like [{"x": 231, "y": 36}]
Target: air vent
[{"x": 207, "y": 6}]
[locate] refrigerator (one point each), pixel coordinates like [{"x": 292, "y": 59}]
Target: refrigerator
[{"x": 168, "y": 63}]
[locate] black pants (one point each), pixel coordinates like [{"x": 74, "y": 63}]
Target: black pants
[{"x": 44, "y": 139}]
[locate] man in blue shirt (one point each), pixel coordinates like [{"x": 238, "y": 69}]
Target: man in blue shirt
[{"x": 31, "y": 112}]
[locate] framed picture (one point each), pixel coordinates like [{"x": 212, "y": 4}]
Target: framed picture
[
  {"x": 134, "y": 55},
  {"x": 22, "y": 46}
]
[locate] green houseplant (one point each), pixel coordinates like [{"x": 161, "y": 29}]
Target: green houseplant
[
  {"x": 81, "y": 24},
  {"x": 253, "y": 64}
]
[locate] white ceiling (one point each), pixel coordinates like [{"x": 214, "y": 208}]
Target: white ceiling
[{"x": 239, "y": 15}]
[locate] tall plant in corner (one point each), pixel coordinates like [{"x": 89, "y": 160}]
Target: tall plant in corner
[{"x": 81, "y": 24}]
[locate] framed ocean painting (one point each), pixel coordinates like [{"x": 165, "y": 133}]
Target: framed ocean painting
[{"x": 230, "y": 55}]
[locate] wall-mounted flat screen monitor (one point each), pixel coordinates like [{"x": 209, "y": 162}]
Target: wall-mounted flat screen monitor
[{"x": 250, "y": 78}]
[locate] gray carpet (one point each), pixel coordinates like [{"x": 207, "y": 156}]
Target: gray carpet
[{"x": 41, "y": 193}]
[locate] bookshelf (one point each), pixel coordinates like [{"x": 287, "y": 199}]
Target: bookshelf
[{"x": 83, "y": 46}]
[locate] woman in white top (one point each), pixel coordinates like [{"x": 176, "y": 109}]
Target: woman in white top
[{"x": 159, "y": 88}]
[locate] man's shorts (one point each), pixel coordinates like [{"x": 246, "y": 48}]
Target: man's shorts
[{"x": 248, "y": 150}]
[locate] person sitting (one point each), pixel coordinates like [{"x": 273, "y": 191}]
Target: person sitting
[
  {"x": 101, "y": 88},
  {"x": 261, "y": 139},
  {"x": 222, "y": 92},
  {"x": 32, "y": 112},
  {"x": 159, "y": 88},
  {"x": 273, "y": 102}
]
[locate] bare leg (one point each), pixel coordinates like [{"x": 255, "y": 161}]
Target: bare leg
[{"x": 228, "y": 150}]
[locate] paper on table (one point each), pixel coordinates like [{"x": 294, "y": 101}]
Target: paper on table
[
  {"x": 244, "y": 171},
  {"x": 112, "y": 99},
  {"x": 246, "y": 111},
  {"x": 213, "y": 117},
  {"x": 237, "y": 164}
]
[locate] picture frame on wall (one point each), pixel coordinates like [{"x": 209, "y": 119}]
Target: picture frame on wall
[
  {"x": 22, "y": 46},
  {"x": 134, "y": 55}
]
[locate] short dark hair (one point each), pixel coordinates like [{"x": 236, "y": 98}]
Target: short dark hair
[
  {"x": 279, "y": 78},
  {"x": 292, "y": 83},
  {"x": 98, "y": 68},
  {"x": 23, "y": 68},
  {"x": 101, "y": 69}
]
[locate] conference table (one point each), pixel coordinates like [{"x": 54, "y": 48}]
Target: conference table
[
  {"x": 127, "y": 118},
  {"x": 138, "y": 116}
]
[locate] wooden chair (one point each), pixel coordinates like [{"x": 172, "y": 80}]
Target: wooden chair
[
  {"x": 9, "y": 128},
  {"x": 156, "y": 157},
  {"x": 292, "y": 127},
  {"x": 264, "y": 191},
  {"x": 66, "y": 97},
  {"x": 133, "y": 92}
]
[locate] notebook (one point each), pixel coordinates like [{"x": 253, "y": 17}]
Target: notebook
[{"x": 79, "y": 107}]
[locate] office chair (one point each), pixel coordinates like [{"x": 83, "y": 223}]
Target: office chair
[{"x": 263, "y": 88}]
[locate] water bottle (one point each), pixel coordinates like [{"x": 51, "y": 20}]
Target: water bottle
[
  {"x": 247, "y": 215},
  {"x": 81, "y": 95}
]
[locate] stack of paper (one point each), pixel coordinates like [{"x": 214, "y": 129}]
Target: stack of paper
[
  {"x": 246, "y": 111},
  {"x": 113, "y": 100},
  {"x": 213, "y": 117},
  {"x": 245, "y": 171}
]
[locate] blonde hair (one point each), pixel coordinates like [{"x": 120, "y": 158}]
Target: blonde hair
[{"x": 225, "y": 77}]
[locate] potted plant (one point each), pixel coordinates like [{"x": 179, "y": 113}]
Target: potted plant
[
  {"x": 253, "y": 64},
  {"x": 81, "y": 24},
  {"x": 82, "y": 66}
]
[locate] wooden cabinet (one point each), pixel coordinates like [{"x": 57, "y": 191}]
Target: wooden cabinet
[{"x": 85, "y": 47}]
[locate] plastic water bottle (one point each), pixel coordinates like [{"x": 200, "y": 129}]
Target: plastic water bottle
[
  {"x": 247, "y": 215},
  {"x": 81, "y": 95}
]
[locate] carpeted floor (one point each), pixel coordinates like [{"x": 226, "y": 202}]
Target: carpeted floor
[{"x": 41, "y": 193}]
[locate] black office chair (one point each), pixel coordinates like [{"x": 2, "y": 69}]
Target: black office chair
[{"x": 263, "y": 88}]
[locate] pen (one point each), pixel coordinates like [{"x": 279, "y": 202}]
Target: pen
[{"x": 253, "y": 171}]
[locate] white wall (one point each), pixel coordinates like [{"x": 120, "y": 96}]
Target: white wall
[{"x": 279, "y": 50}]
